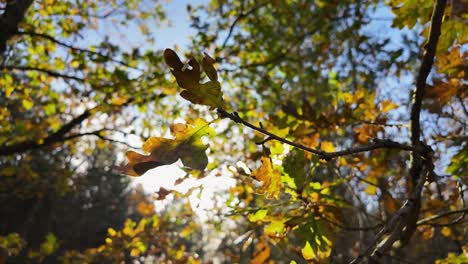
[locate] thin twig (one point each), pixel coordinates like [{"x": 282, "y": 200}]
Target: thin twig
[
  {"x": 378, "y": 144},
  {"x": 46, "y": 71},
  {"x": 427, "y": 221},
  {"x": 239, "y": 18},
  {"x": 61, "y": 43}
]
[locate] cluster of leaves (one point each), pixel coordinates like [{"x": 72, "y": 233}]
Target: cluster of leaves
[
  {"x": 329, "y": 144},
  {"x": 155, "y": 237},
  {"x": 311, "y": 102}
]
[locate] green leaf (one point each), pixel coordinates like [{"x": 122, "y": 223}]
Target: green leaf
[
  {"x": 50, "y": 245},
  {"x": 50, "y": 109},
  {"x": 295, "y": 166},
  {"x": 258, "y": 216},
  {"x": 316, "y": 238},
  {"x": 205, "y": 94}
]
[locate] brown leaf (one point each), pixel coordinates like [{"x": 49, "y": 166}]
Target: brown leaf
[
  {"x": 207, "y": 64},
  {"x": 162, "y": 193},
  {"x": 172, "y": 59}
]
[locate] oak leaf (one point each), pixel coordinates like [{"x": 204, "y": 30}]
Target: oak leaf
[
  {"x": 187, "y": 146},
  {"x": 188, "y": 78},
  {"x": 269, "y": 177}
]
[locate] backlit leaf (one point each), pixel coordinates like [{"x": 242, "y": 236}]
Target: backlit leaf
[
  {"x": 186, "y": 146},
  {"x": 258, "y": 216},
  {"x": 269, "y": 177},
  {"x": 188, "y": 78},
  {"x": 207, "y": 64}
]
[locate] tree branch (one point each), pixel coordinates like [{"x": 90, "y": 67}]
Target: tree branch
[
  {"x": 46, "y": 71},
  {"x": 60, "y": 135},
  {"x": 49, "y": 140},
  {"x": 378, "y": 143},
  {"x": 426, "y": 65},
  {"x": 98, "y": 134},
  {"x": 404, "y": 222},
  {"x": 9, "y": 20},
  {"x": 239, "y": 18},
  {"x": 61, "y": 43},
  {"x": 427, "y": 221}
]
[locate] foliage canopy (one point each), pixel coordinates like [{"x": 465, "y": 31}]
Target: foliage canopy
[{"x": 345, "y": 131}]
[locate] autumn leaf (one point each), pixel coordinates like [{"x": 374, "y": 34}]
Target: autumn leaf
[
  {"x": 387, "y": 105},
  {"x": 186, "y": 146},
  {"x": 269, "y": 177},
  {"x": 207, "y": 64},
  {"x": 188, "y": 78},
  {"x": 162, "y": 193},
  {"x": 262, "y": 253},
  {"x": 295, "y": 166}
]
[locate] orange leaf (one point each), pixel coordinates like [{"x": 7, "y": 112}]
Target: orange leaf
[{"x": 269, "y": 177}]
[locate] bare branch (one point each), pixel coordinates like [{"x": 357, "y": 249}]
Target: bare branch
[
  {"x": 426, "y": 65},
  {"x": 98, "y": 133},
  {"x": 428, "y": 221},
  {"x": 378, "y": 144},
  {"x": 404, "y": 222},
  {"x": 51, "y": 139},
  {"x": 9, "y": 20},
  {"x": 61, "y": 43},
  {"x": 241, "y": 16},
  {"x": 46, "y": 71}
]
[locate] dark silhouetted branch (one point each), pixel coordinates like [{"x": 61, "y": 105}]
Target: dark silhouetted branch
[
  {"x": 46, "y": 71},
  {"x": 58, "y": 136},
  {"x": 378, "y": 143},
  {"x": 428, "y": 221},
  {"x": 239, "y": 18},
  {"x": 61, "y": 43},
  {"x": 403, "y": 224},
  {"x": 13, "y": 14}
]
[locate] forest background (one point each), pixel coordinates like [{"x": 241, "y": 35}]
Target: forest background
[{"x": 267, "y": 132}]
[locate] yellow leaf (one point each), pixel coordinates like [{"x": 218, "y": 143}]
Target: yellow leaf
[
  {"x": 388, "y": 105},
  {"x": 75, "y": 64},
  {"x": 118, "y": 101},
  {"x": 327, "y": 146},
  {"x": 371, "y": 188},
  {"x": 258, "y": 216},
  {"x": 446, "y": 231},
  {"x": 111, "y": 231},
  {"x": 8, "y": 91},
  {"x": 135, "y": 252},
  {"x": 27, "y": 104},
  {"x": 276, "y": 227},
  {"x": 308, "y": 252}
]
